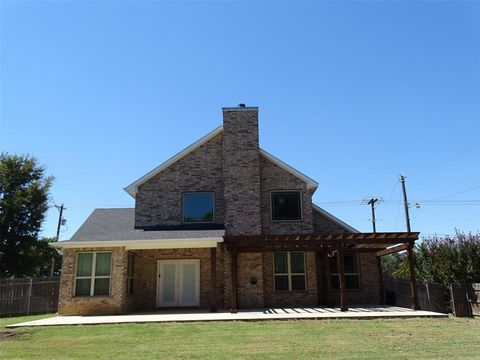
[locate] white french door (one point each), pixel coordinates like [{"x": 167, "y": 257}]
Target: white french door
[{"x": 178, "y": 283}]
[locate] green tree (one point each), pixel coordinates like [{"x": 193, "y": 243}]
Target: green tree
[
  {"x": 24, "y": 190},
  {"x": 443, "y": 260}
]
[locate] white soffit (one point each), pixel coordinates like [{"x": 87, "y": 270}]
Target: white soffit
[
  {"x": 141, "y": 244},
  {"x": 335, "y": 219},
  {"x": 132, "y": 188}
]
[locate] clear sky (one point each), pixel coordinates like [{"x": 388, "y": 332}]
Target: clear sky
[{"x": 350, "y": 93}]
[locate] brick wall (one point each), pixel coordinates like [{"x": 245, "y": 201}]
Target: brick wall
[
  {"x": 241, "y": 171},
  {"x": 159, "y": 201},
  {"x": 115, "y": 303},
  {"x": 145, "y": 273},
  {"x": 250, "y": 280},
  {"x": 324, "y": 225}
]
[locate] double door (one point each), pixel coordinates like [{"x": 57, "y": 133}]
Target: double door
[{"x": 178, "y": 283}]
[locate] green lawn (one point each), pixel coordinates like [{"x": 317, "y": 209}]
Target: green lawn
[{"x": 451, "y": 338}]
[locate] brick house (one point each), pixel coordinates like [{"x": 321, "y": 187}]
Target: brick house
[{"x": 222, "y": 224}]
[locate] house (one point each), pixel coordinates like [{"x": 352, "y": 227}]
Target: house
[{"x": 222, "y": 224}]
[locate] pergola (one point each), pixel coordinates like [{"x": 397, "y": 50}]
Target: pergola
[{"x": 380, "y": 244}]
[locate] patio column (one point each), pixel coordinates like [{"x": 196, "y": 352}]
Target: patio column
[
  {"x": 413, "y": 279},
  {"x": 213, "y": 279},
  {"x": 341, "y": 272},
  {"x": 233, "y": 297},
  {"x": 380, "y": 279}
]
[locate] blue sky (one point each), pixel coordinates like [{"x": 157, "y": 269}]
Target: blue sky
[{"x": 350, "y": 93}]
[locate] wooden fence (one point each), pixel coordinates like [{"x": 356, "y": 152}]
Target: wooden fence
[
  {"x": 28, "y": 296},
  {"x": 465, "y": 299},
  {"x": 431, "y": 296}
]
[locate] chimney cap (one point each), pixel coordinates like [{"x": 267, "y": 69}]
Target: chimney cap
[{"x": 241, "y": 105}]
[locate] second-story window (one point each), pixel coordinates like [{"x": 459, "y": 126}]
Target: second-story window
[
  {"x": 286, "y": 206},
  {"x": 198, "y": 207}
]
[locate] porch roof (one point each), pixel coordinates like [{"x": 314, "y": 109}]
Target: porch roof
[
  {"x": 383, "y": 243},
  {"x": 115, "y": 227}
]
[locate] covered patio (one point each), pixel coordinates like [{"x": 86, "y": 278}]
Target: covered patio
[
  {"x": 325, "y": 246},
  {"x": 318, "y": 313}
]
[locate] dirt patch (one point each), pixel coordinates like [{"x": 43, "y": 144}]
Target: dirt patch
[{"x": 6, "y": 334}]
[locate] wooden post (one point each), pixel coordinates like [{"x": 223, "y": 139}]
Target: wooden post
[
  {"x": 380, "y": 279},
  {"x": 233, "y": 298},
  {"x": 413, "y": 279},
  {"x": 29, "y": 300},
  {"x": 318, "y": 267},
  {"x": 213, "y": 279},
  {"x": 341, "y": 272}
]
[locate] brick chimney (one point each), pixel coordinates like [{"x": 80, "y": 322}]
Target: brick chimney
[{"x": 241, "y": 170}]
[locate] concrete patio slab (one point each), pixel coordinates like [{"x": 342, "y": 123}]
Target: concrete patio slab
[{"x": 358, "y": 312}]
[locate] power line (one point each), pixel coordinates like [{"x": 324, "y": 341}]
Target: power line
[{"x": 448, "y": 158}]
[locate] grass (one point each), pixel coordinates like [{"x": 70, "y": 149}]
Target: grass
[{"x": 452, "y": 338}]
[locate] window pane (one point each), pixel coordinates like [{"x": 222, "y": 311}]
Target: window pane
[
  {"x": 198, "y": 207},
  {"x": 84, "y": 264},
  {"x": 350, "y": 263},
  {"x": 286, "y": 205},
  {"x": 352, "y": 282},
  {"x": 281, "y": 282},
  {"x": 280, "y": 262},
  {"x": 335, "y": 281},
  {"x": 297, "y": 262},
  {"x": 298, "y": 282},
  {"x": 333, "y": 264},
  {"x": 130, "y": 265},
  {"x": 101, "y": 287},
  {"x": 82, "y": 287},
  {"x": 129, "y": 286},
  {"x": 102, "y": 266}
]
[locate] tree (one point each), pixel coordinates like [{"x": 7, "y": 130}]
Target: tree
[
  {"x": 443, "y": 260},
  {"x": 24, "y": 190}
]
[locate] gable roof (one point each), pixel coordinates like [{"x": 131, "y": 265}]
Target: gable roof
[
  {"x": 334, "y": 219},
  {"x": 132, "y": 188}
]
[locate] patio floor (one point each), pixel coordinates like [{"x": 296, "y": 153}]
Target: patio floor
[{"x": 357, "y": 312}]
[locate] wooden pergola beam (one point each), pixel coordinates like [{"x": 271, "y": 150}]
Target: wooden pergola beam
[{"x": 392, "y": 250}]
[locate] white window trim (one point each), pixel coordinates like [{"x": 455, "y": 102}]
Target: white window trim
[
  {"x": 197, "y": 193},
  {"x": 289, "y": 270},
  {"x": 283, "y": 191},
  {"x": 92, "y": 277},
  {"x": 337, "y": 274}
]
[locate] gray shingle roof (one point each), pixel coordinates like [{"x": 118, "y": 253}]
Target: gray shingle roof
[{"x": 118, "y": 224}]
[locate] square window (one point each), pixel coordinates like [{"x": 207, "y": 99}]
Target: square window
[
  {"x": 289, "y": 270},
  {"x": 350, "y": 266},
  {"x": 93, "y": 273},
  {"x": 286, "y": 205},
  {"x": 198, "y": 207}
]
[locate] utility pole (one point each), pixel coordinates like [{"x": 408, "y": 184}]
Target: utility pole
[
  {"x": 372, "y": 202},
  {"x": 405, "y": 202},
  {"x": 60, "y": 222},
  {"x": 60, "y": 218},
  {"x": 410, "y": 254}
]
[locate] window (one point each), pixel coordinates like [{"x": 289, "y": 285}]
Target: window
[
  {"x": 130, "y": 266},
  {"x": 93, "y": 273},
  {"x": 198, "y": 207},
  {"x": 289, "y": 270},
  {"x": 350, "y": 266},
  {"x": 286, "y": 205}
]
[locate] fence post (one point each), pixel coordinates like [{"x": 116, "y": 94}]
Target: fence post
[{"x": 29, "y": 296}]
